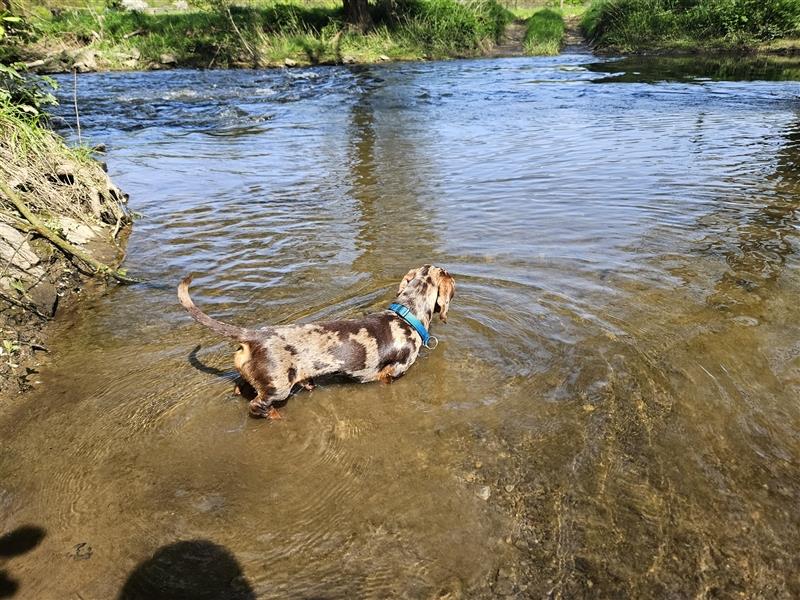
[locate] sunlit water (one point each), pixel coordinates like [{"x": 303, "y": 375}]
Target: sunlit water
[{"x": 613, "y": 408}]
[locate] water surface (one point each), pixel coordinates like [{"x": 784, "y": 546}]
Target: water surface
[{"x": 613, "y": 408}]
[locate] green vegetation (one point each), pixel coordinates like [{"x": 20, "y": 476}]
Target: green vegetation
[
  {"x": 545, "y": 33},
  {"x": 525, "y": 9},
  {"x": 636, "y": 25},
  {"x": 224, "y": 35}
]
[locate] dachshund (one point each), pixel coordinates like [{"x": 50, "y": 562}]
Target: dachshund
[{"x": 380, "y": 346}]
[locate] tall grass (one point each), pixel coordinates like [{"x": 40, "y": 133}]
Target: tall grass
[
  {"x": 646, "y": 24},
  {"x": 452, "y": 26},
  {"x": 545, "y": 33},
  {"x": 269, "y": 33}
]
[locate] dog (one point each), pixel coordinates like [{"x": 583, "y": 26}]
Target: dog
[{"x": 380, "y": 346}]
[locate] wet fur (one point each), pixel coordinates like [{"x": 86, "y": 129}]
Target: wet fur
[{"x": 377, "y": 347}]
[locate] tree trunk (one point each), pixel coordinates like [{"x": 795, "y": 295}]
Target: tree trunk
[{"x": 356, "y": 14}]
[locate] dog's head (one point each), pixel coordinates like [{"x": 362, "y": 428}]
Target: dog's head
[{"x": 435, "y": 285}]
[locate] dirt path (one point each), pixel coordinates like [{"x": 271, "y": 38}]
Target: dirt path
[
  {"x": 511, "y": 42},
  {"x": 573, "y": 37}
]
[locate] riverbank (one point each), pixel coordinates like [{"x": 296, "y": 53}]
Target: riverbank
[
  {"x": 267, "y": 35},
  {"x": 62, "y": 221},
  {"x": 658, "y": 26},
  {"x": 278, "y": 35}
]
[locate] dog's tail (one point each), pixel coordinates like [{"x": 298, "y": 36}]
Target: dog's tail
[{"x": 240, "y": 334}]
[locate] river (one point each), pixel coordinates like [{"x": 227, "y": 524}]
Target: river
[{"x": 612, "y": 410}]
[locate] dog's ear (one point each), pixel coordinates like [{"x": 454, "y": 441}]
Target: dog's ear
[
  {"x": 447, "y": 289},
  {"x": 409, "y": 276}
]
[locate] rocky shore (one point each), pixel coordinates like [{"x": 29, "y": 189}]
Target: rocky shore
[{"x": 63, "y": 224}]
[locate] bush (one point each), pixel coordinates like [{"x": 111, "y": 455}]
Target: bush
[
  {"x": 21, "y": 94},
  {"x": 639, "y": 24}
]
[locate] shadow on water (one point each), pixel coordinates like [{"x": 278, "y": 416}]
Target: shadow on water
[
  {"x": 197, "y": 569},
  {"x": 195, "y": 361},
  {"x": 15, "y": 543},
  {"x": 697, "y": 69}
]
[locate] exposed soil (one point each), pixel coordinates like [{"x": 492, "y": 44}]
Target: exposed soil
[
  {"x": 511, "y": 42},
  {"x": 25, "y": 333},
  {"x": 573, "y": 37}
]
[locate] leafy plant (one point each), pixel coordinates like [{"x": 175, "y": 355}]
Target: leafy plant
[{"x": 19, "y": 91}]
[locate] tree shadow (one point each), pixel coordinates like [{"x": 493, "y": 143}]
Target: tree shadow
[
  {"x": 764, "y": 240},
  {"x": 196, "y": 569},
  {"x": 20, "y": 541}
]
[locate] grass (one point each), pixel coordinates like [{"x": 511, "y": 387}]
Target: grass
[
  {"x": 269, "y": 33},
  {"x": 638, "y": 25},
  {"x": 527, "y": 8},
  {"x": 545, "y": 33}
]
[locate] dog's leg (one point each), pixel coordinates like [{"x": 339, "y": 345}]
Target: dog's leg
[
  {"x": 267, "y": 393},
  {"x": 264, "y": 409},
  {"x": 260, "y": 406},
  {"x": 308, "y": 384},
  {"x": 387, "y": 374}
]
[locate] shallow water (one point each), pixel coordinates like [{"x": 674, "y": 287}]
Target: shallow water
[{"x": 613, "y": 408}]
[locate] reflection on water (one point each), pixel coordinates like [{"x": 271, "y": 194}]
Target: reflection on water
[
  {"x": 612, "y": 411},
  {"x": 694, "y": 68}
]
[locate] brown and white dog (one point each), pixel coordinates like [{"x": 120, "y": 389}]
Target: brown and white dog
[{"x": 379, "y": 346}]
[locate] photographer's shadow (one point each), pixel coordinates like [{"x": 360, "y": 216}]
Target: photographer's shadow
[
  {"x": 20, "y": 541},
  {"x": 194, "y": 569}
]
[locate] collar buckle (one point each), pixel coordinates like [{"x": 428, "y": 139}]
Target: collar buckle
[{"x": 402, "y": 311}]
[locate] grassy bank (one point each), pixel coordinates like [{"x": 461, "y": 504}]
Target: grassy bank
[
  {"x": 545, "y": 33},
  {"x": 268, "y": 34},
  {"x": 646, "y": 25}
]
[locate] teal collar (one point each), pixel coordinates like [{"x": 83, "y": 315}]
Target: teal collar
[{"x": 405, "y": 313}]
